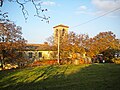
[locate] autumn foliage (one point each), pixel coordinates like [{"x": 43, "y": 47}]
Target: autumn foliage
[
  {"x": 11, "y": 42},
  {"x": 81, "y": 47}
]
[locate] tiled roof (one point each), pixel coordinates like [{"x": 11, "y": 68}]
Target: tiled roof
[
  {"x": 41, "y": 47},
  {"x": 61, "y": 25}
]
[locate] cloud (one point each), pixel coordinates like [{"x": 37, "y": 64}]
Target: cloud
[
  {"x": 83, "y": 7},
  {"x": 106, "y": 5},
  {"x": 48, "y": 3},
  {"x": 102, "y": 7}
]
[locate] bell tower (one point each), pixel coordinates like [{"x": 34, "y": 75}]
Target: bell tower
[{"x": 60, "y": 31}]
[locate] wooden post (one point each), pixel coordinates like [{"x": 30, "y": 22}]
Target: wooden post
[{"x": 58, "y": 47}]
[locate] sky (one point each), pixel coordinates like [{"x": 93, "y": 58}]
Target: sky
[{"x": 80, "y": 15}]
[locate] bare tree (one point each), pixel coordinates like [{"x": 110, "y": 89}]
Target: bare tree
[{"x": 22, "y": 3}]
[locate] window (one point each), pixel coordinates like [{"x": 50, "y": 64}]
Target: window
[
  {"x": 30, "y": 54},
  {"x": 40, "y": 54},
  {"x": 63, "y": 32}
]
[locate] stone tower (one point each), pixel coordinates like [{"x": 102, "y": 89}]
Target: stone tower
[{"x": 61, "y": 31}]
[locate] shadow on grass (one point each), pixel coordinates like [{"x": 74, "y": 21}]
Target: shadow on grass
[{"x": 65, "y": 77}]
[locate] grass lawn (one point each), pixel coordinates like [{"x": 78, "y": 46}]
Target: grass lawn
[{"x": 63, "y": 77}]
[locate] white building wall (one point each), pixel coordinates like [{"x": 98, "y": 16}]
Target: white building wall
[{"x": 35, "y": 55}]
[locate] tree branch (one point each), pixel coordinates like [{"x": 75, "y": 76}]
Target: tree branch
[
  {"x": 37, "y": 6},
  {"x": 1, "y": 3},
  {"x": 24, "y": 11},
  {"x": 3, "y": 15},
  {"x": 38, "y": 9}
]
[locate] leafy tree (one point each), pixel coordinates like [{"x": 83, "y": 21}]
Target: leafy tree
[
  {"x": 77, "y": 44},
  {"x": 105, "y": 43},
  {"x": 71, "y": 46},
  {"x": 63, "y": 43},
  {"x": 11, "y": 42}
]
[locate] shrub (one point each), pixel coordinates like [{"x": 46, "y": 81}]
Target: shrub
[{"x": 116, "y": 60}]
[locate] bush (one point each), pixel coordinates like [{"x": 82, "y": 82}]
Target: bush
[{"x": 116, "y": 60}]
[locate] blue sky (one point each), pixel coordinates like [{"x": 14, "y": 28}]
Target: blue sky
[{"x": 68, "y": 12}]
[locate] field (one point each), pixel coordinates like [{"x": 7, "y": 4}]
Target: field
[{"x": 62, "y": 77}]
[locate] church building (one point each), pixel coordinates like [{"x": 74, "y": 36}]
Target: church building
[{"x": 45, "y": 51}]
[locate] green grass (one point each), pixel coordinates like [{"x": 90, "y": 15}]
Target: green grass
[{"x": 64, "y": 77}]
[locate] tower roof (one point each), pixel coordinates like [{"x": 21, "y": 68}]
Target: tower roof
[{"x": 61, "y": 25}]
